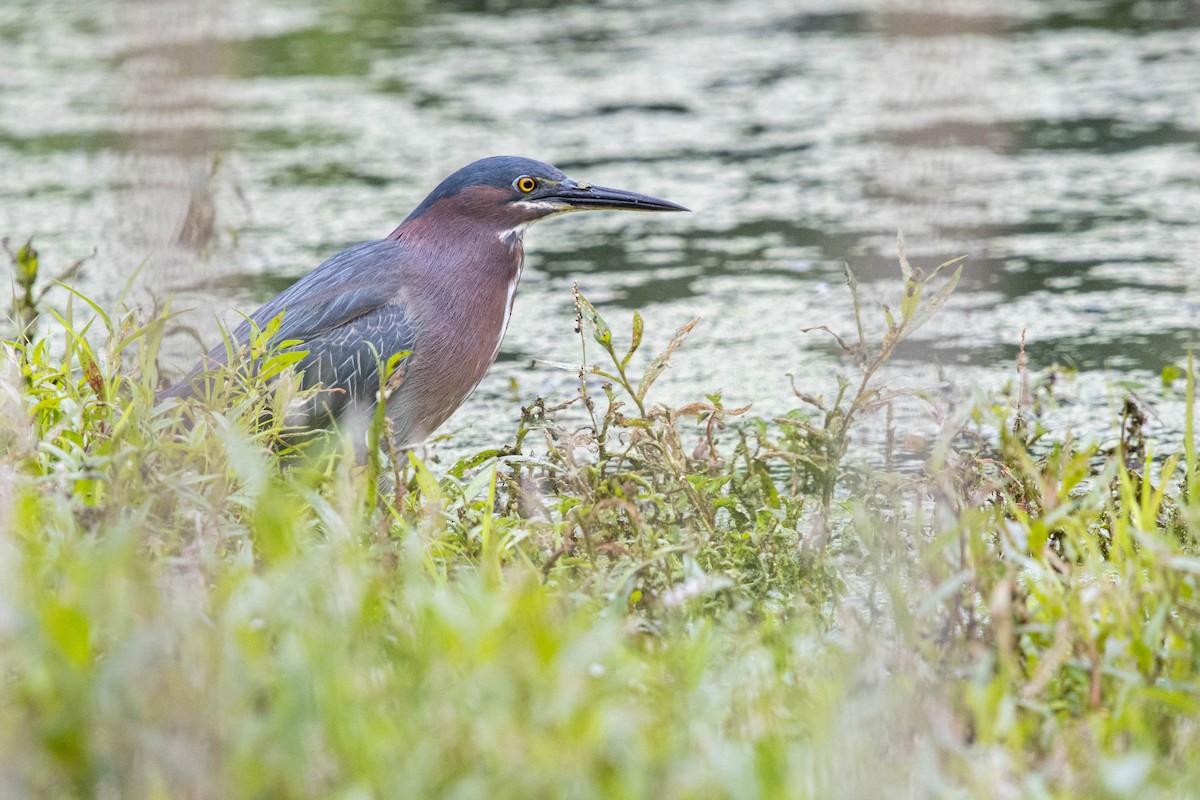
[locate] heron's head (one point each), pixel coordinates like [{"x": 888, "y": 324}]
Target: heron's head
[{"x": 507, "y": 192}]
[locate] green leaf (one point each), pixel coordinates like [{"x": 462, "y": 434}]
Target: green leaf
[
  {"x": 481, "y": 480},
  {"x": 638, "y": 327},
  {"x": 852, "y": 284},
  {"x": 1170, "y": 374},
  {"x": 600, "y": 330},
  {"x": 891, "y": 321},
  {"x": 99, "y": 311},
  {"x": 248, "y": 462},
  {"x": 27, "y": 265},
  {"x": 71, "y": 632},
  {"x": 426, "y": 481},
  {"x": 770, "y": 492},
  {"x": 912, "y": 298},
  {"x": 471, "y": 462}
]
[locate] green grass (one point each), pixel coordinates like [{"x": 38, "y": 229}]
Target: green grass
[{"x": 684, "y": 603}]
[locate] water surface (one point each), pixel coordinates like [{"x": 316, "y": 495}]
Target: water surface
[{"x": 229, "y": 147}]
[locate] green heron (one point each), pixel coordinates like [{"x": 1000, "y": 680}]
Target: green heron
[{"x": 439, "y": 287}]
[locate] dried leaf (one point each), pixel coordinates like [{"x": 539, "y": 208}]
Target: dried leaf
[
  {"x": 932, "y": 304},
  {"x": 92, "y": 372},
  {"x": 660, "y": 362},
  {"x": 905, "y": 268},
  {"x": 841, "y": 342}
]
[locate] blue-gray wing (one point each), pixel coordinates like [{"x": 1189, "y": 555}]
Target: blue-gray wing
[
  {"x": 346, "y": 361},
  {"x": 340, "y": 312}
]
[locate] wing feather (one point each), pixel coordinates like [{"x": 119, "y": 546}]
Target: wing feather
[
  {"x": 338, "y": 313},
  {"x": 346, "y": 360}
]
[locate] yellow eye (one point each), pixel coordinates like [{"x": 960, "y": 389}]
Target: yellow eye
[{"x": 526, "y": 184}]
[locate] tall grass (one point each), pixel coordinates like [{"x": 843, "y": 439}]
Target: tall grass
[{"x": 671, "y": 602}]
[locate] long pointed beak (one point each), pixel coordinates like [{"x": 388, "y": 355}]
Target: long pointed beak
[{"x": 586, "y": 197}]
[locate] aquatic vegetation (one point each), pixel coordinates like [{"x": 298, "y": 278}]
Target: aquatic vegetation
[{"x": 674, "y": 602}]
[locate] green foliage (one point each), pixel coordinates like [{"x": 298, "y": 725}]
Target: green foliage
[{"x": 671, "y": 602}]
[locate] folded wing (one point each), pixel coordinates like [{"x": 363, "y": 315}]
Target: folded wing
[{"x": 345, "y": 315}]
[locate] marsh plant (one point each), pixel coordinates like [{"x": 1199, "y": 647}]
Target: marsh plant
[{"x": 625, "y": 600}]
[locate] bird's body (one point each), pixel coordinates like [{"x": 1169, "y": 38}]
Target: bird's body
[{"x": 440, "y": 287}]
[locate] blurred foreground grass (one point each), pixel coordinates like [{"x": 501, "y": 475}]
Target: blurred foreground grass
[{"x": 673, "y": 603}]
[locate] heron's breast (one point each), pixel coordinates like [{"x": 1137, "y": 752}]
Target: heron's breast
[{"x": 461, "y": 323}]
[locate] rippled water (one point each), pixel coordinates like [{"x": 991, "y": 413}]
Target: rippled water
[{"x": 229, "y": 147}]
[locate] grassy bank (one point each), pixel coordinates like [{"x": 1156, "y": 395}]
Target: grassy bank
[{"x": 675, "y": 603}]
